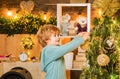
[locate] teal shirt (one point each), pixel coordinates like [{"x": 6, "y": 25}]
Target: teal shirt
[{"x": 52, "y": 61}]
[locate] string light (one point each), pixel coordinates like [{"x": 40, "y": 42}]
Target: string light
[
  {"x": 100, "y": 12},
  {"x": 9, "y": 13},
  {"x": 45, "y": 17},
  {"x": 15, "y": 16}
]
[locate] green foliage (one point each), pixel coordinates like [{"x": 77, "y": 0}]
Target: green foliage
[
  {"x": 103, "y": 28},
  {"x": 52, "y": 21},
  {"x": 4, "y": 25},
  {"x": 27, "y": 24}
]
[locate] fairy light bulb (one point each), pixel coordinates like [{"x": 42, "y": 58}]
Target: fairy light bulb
[
  {"x": 99, "y": 12},
  {"x": 45, "y": 17},
  {"x": 9, "y": 13},
  {"x": 15, "y": 17}
]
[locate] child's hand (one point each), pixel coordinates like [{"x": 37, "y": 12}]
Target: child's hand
[{"x": 85, "y": 35}]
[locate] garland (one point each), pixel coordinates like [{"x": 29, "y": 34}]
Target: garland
[{"x": 27, "y": 24}]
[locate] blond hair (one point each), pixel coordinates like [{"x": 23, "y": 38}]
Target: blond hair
[{"x": 44, "y": 33}]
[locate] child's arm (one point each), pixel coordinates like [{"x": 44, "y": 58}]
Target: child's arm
[{"x": 55, "y": 52}]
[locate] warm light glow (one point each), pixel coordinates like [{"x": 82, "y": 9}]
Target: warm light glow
[
  {"x": 99, "y": 12},
  {"x": 15, "y": 16},
  {"x": 9, "y": 13},
  {"x": 45, "y": 17},
  {"x": 29, "y": 59},
  {"x": 28, "y": 52},
  {"x": 114, "y": 22}
]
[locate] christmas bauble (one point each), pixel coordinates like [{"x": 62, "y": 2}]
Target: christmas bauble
[
  {"x": 103, "y": 60},
  {"x": 109, "y": 44}
]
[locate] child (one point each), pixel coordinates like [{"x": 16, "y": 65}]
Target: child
[{"x": 52, "y": 61}]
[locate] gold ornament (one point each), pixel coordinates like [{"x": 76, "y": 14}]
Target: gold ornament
[
  {"x": 27, "y": 6},
  {"x": 103, "y": 60},
  {"x": 108, "y": 7},
  {"x": 109, "y": 44}
]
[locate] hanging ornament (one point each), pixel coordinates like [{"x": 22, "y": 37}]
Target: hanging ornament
[
  {"x": 108, "y": 7},
  {"x": 27, "y": 6},
  {"x": 103, "y": 59},
  {"x": 109, "y": 44}
]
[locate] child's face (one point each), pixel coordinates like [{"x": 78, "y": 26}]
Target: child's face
[{"x": 54, "y": 40}]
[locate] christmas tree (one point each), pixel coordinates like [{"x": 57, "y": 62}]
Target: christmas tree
[{"x": 103, "y": 52}]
